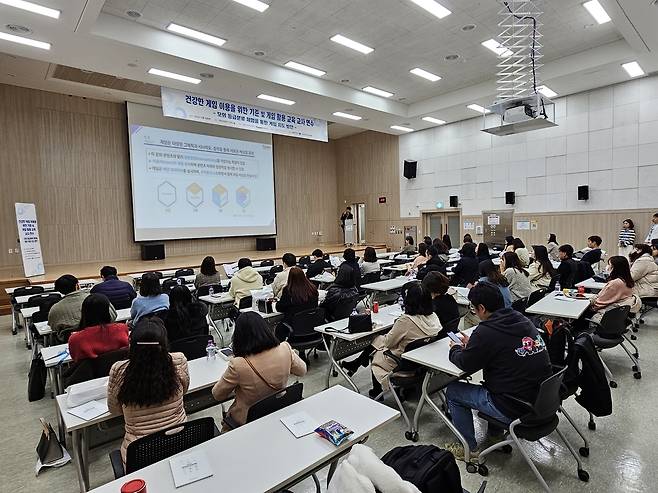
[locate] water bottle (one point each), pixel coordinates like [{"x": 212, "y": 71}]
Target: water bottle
[
  {"x": 179, "y": 281},
  {"x": 558, "y": 288},
  {"x": 401, "y": 301},
  {"x": 211, "y": 291},
  {"x": 210, "y": 350},
  {"x": 354, "y": 311}
]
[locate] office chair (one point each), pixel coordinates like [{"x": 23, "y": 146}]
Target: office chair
[
  {"x": 91, "y": 368},
  {"x": 540, "y": 420},
  {"x": 163, "y": 444},
  {"x": 205, "y": 290},
  {"x": 535, "y": 296},
  {"x": 267, "y": 262},
  {"x": 302, "y": 334},
  {"x": 42, "y": 299},
  {"x": 168, "y": 285},
  {"x": 520, "y": 305},
  {"x": 245, "y": 302},
  {"x": 192, "y": 347},
  {"x": 184, "y": 272}
]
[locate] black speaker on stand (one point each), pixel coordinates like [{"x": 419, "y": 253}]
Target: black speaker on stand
[
  {"x": 583, "y": 192},
  {"x": 410, "y": 168},
  {"x": 510, "y": 198}
]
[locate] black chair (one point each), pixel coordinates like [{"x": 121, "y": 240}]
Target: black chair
[
  {"x": 268, "y": 262},
  {"x": 168, "y": 285},
  {"x": 371, "y": 277},
  {"x": 25, "y": 291},
  {"x": 161, "y": 314},
  {"x": 540, "y": 420},
  {"x": 554, "y": 280},
  {"x": 192, "y": 347},
  {"x": 648, "y": 304},
  {"x": 42, "y": 299},
  {"x": 304, "y": 261},
  {"x": 91, "y": 368},
  {"x": 205, "y": 290},
  {"x": 302, "y": 331},
  {"x": 520, "y": 305},
  {"x": 269, "y": 276},
  {"x": 275, "y": 402},
  {"x": 611, "y": 332},
  {"x": 535, "y": 296},
  {"x": 158, "y": 274},
  {"x": 245, "y": 302},
  {"x": 184, "y": 272},
  {"x": 163, "y": 444},
  {"x": 344, "y": 309}
]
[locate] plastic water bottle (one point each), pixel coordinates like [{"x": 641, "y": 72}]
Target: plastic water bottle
[
  {"x": 558, "y": 288},
  {"x": 211, "y": 291},
  {"x": 211, "y": 353},
  {"x": 401, "y": 301},
  {"x": 354, "y": 311},
  {"x": 179, "y": 281}
]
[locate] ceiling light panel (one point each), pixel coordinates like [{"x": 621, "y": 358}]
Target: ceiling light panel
[
  {"x": 431, "y": 119},
  {"x": 478, "y": 108},
  {"x": 434, "y": 8},
  {"x": 497, "y": 48},
  {"x": 633, "y": 69},
  {"x": 32, "y": 7},
  {"x": 198, "y": 35},
  {"x": 425, "y": 74},
  {"x": 173, "y": 75},
  {"x": 305, "y": 68},
  {"x": 25, "y": 41},
  {"x": 597, "y": 11},
  {"x": 402, "y": 129},
  {"x": 355, "y": 45},
  {"x": 347, "y": 115},
  {"x": 254, "y": 4},
  {"x": 275, "y": 99},
  {"x": 378, "y": 92}
]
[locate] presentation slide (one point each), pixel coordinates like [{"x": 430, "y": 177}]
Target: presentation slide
[{"x": 188, "y": 185}]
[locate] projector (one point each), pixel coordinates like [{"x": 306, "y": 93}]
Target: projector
[{"x": 518, "y": 115}]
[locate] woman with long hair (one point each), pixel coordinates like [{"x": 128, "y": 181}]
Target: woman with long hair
[
  {"x": 298, "y": 295},
  {"x": 97, "y": 333},
  {"x": 208, "y": 273},
  {"x": 420, "y": 260},
  {"x": 148, "y": 388},
  {"x": 541, "y": 271},
  {"x": 489, "y": 272},
  {"x": 521, "y": 251},
  {"x": 446, "y": 241},
  {"x": 185, "y": 318},
  {"x": 553, "y": 247},
  {"x": 261, "y": 366},
  {"x": 644, "y": 271},
  {"x": 626, "y": 238},
  {"x": 482, "y": 252},
  {"x": 465, "y": 271},
  {"x": 516, "y": 275}
]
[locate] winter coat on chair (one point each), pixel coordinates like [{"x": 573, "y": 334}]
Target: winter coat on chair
[{"x": 644, "y": 272}]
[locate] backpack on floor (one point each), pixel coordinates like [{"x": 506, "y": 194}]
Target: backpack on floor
[{"x": 428, "y": 467}]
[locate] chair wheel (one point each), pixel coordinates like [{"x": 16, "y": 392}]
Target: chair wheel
[
  {"x": 584, "y": 451},
  {"x": 471, "y": 468},
  {"x": 636, "y": 355},
  {"x": 633, "y": 337},
  {"x": 634, "y": 368},
  {"x": 14, "y": 332},
  {"x": 411, "y": 435},
  {"x": 483, "y": 470},
  {"x": 315, "y": 356},
  {"x": 613, "y": 384},
  {"x": 334, "y": 373},
  {"x": 591, "y": 425},
  {"x": 507, "y": 449},
  {"x": 583, "y": 475},
  {"x": 637, "y": 375},
  {"x": 634, "y": 329},
  {"x": 641, "y": 321}
]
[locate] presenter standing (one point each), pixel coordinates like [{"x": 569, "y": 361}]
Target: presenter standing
[{"x": 346, "y": 216}]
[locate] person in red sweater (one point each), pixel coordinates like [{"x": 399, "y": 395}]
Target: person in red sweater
[{"x": 97, "y": 333}]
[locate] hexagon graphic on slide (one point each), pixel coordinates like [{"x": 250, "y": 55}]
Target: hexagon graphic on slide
[
  {"x": 194, "y": 195},
  {"x": 166, "y": 194},
  {"x": 243, "y": 197},
  {"x": 220, "y": 196}
]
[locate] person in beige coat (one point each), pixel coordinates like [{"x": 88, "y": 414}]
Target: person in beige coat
[
  {"x": 644, "y": 272},
  {"x": 417, "y": 322},
  {"x": 244, "y": 280},
  {"x": 261, "y": 366},
  {"x": 148, "y": 388}
]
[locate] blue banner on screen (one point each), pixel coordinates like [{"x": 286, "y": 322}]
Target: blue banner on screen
[
  {"x": 187, "y": 185},
  {"x": 218, "y": 111}
]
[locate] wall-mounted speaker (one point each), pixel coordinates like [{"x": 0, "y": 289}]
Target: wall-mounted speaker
[
  {"x": 153, "y": 251},
  {"x": 410, "y": 168},
  {"x": 454, "y": 201},
  {"x": 265, "y": 244},
  {"x": 510, "y": 197},
  {"x": 583, "y": 192}
]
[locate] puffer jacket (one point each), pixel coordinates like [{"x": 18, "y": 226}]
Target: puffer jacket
[
  {"x": 336, "y": 296},
  {"x": 644, "y": 272}
]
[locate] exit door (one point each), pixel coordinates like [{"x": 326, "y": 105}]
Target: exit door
[
  {"x": 437, "y": 224},
  {"x": 360, "y": 222}
]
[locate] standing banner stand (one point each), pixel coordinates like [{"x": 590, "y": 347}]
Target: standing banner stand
[
  {"x": 349, "y": 232},
  {"x": 28, "y": 234}
]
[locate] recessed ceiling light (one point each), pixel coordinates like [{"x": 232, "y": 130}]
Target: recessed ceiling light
[
  {"x": 344, "y": 81},
  {"x": 497, "y": 48},
  {"x": 32, "y": 7},
  {"x": 254, "y": 4},
  {"x": 378, "y": 92},
  {"x": 633, "y": 69},
  {"x": 25, "y": 41},
  {"x": 402, "y": 129},
  {"x": 207, "y": 75},
  {"x": 546, "y": 91},
  {"x": 433, "y": 7},
  {"x": 172, "y": 75},
  {"x": 468, "y": 27},
  {"x": 192, "y": 33},
  {"x": 347, "y": 115},
  {"x": 355, "y": 45},
  {"x": 478, "y": 108},
  {"x": 431, "y": 119},
  {"x": 133, "y": 14},
  {"x": 133, "y": 65},
  {"x": 259, "y": 53},
  {"x": 305, "y": 68},
  {"x": 18, "y": 29},
  {"x": 597, "y": 11},
  {"x": 452, "y": 57},
  {"x": 425, "y": 74},
  {"x": 274, "y": 99}
]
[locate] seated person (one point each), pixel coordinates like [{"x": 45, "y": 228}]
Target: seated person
[
  {"x": 208, "y": 273},
  {"x": 297, "y": 296},
  {"x": 246, "y": 279},
  {"x": 341, "y": 291},
  {"x": 420, "y": 260},
  {"x": 318, "y": 264},
  {"x": 97, "y": 333},
  {"x": 644, "y": 271},
  {"x": 151, "y": 299},
  {"x": 490, "y": 272},
  {"x": 444, "y": 305},
  {"x": 428, "y": 241},
  {"x": 593, "y": 254},
  {"x": 261, "y": 366},
  {"x": 568, "y": 269},
  {"x": 467, "y": 238},
  {"x": 509, "y": 245},
  {"x": 516, "y": 275},
  {"x": 435, "y": 263},
  {"x": 350, "y": 259},
  {"x": 185, "y": 318},
  {"x": 654, "y": 253},
  {"x": 482, "y": 252},
  {"x": 148, "y": 388},
  {"x": 281, "y": 279},
  {"x": 511, "y": 354},
  {"x": 120, "y": 293},
  {"x": 467, "y": 269},
  {"x": 445, "y": 239},
  {"x": 417, "y": 322},
  {"x": 541, "y": 271},
  {"x": 521, "y": 251},
  {"x": 369, "y": 264},
  {"x": 408, "y": 247},
  {"x": 552, "y": 247}
]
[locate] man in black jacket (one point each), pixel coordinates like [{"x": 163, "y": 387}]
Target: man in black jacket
[
  {"x": 508, "y": 349},
  {"x": 120, "y": 293},
  {"x": 568, "y": 268},
  {"x": 319, "y": 264}
]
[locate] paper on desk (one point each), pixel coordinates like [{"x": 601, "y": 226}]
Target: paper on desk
[
  {"x": 300, "y": 424},
  {"x": 90, "y": 410},
  {"x": 189, "y": 468}
]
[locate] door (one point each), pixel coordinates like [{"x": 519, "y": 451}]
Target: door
[
  {"x": 359, "y": 210},
  {"x": 437, "y": 224}
]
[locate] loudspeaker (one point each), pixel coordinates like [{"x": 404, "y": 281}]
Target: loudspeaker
[
  {"x": 410, "y": 169},
  {"x": 263, "y": 244},
  {"x": 510, "y": 197},
  {"x": 153, "y": 251},
  {"x": 583, "y": 192},
  {"x": 454, "y": 201}
]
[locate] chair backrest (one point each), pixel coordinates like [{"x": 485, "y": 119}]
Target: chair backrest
[
  {"x": 520, "y": 305},
  {"x": 371, "y": 277},
  {"x": 170, "y": 441},
  {"x": 304, "y": 323},
  {"x": 158, "y": 274},
  {"x": 405, "y": 364},
  {"x": 275, "y": 402},
  {"x": 184, "y": 272},
  {"x": 304, "y": 261},
  {"x": 345, "y": 309},
  {"x": 161, "y": 314},
  {"x": 614, "y": 322},
  {"x": 192, "y": 347},
  {"x": 168, "y": 285},
  {"x": 44, "y": 310},
  {"x": 265, "y": 263},
  {"x": 43, "y": 299},
  {"x": 27, "y": 290},
  {"x": 275, "y": 269},
  {"x": 90, "y": 368},
  {"x": 548, "y": 400},
  {"x": 554, "y": 280},
  {"x": 245, "y": 302},
  {"x": 205, "y": 290},
  {"x": 535, "y": 296}
]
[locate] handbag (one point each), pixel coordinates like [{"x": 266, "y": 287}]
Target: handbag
[
  {"x": 36, "y": 379},
  {"x": 359, "y": 323},
  {"x": 266, "y": 305},
  {"x": 49, "y": 449}
]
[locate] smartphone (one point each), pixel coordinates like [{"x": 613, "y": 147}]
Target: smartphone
[
  {"x": 455, "y": 338},
  {"x": 226, "y": 352}
]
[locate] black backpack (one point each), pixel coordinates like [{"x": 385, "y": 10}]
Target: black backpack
[{"x": 428, "y": 467}]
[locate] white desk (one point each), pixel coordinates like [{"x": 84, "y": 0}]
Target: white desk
[
  {"x": 387, "y": 255},
  {"x": 281, "y": 460},
  {"x": 324, "y": 278},
  {"x": 398, "y": 269},
  {"x": 217, "y": 298},
  {"x": 44, "y": 329},
  {"x": 384, "y": 262},
  {"x": 557, "y": 305},
  {"x": 388, "y": 285},
  {"x": 460, "y": 294},
  {"x": 203, "y": 374},
  {"x": 344, "y": 344},
  {"x": 591, "y": 284}
]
